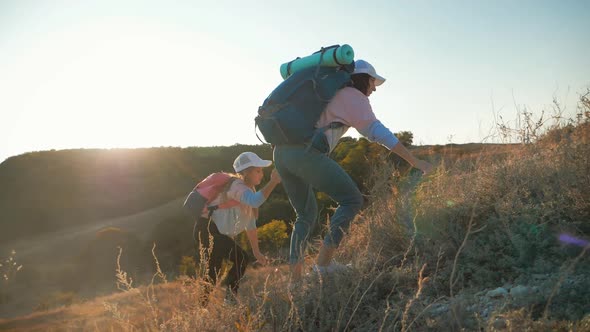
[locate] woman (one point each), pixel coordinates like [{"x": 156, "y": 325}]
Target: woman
[
  {"x": 302, "y": 169},
  {"x": 229, "y": 222}
]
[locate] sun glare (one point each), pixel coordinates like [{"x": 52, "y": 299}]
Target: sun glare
[{"x": 130, "y": 84}]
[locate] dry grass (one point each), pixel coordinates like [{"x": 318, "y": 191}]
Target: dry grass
[{"x": 423, "y": 254}]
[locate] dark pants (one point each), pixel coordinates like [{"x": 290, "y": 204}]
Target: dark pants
[{"x": 223, "y": 248}]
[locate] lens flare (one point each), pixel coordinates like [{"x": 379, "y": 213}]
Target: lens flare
[{"x": 569, "y": 239}]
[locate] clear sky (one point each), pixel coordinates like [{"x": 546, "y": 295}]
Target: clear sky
[{"x": 87, "y": 74}]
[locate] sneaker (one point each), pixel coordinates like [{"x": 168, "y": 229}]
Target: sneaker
[
  {"x": 330, "y": 269},
  {"x": 230, "y": 298},
  {"x": 294, "y": 286},
  {"x": 230, "y": 301}
]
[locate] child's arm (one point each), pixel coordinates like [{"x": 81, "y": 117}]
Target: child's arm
[
  {"x": 270, "y": 186},
  {"x": 253, "y": 238},
  {"x": 256, "y": 199}
]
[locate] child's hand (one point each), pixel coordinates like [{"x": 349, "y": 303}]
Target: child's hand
[
  {"x": 260, "y": 258},
  {"x": 275, "y": 177}
]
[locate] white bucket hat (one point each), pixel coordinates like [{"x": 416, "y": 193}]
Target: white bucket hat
[
  {"x": 249, "y": 159},
  {"x": 363, "y": 67}
]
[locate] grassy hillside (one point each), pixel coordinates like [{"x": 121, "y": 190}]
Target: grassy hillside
[
  {"x": 475, "y": 246},
  {"x": 76, "y": 260},
  {"x": 495, "y": 239}
]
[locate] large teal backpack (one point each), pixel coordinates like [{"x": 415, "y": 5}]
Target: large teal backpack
[{"x": 290, "y": 113}]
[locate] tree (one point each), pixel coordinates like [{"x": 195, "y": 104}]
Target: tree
[{"x": 405, "y": 137}]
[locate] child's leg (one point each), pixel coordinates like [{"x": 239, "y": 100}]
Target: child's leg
[
  {"x": 219, "y": 252},
  {"x": 206, "y": 259},
  {"x": 240, "y": 261},
  {"x": 214, "y": 262}
]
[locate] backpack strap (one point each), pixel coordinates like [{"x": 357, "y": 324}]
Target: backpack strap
[
  {"x": 317, "y": 70},
  {"x": 289, "y": 66},
  {"x": 324, "y": 49},
  {"x": 322, "y": 52},
  {"x": 225, "y": 205},
  {"x": 211, "y": 209},
  {"x": 228, "y": 203},
  {"x": 313, "y": 143},
  {"x": 266, "y": 112}
]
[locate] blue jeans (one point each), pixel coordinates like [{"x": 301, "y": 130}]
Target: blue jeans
[{"x": 302, "y": 169}]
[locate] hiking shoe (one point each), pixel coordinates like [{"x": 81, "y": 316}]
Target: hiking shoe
[
  {"x": 330, "y": 269},
  {"x": 294, "y": 286},
  {"x": 230, "y": 301},
  {"x": 230, "y": 298},
  {"x": 320, "y": 269}
]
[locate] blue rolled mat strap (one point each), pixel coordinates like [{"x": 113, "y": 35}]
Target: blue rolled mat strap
[{"x": 333, "y": 56}]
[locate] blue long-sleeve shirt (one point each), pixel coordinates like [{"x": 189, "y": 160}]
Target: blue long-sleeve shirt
[
  {"x": 353, "y": 109},
  {"x": 242, "y": 217}
]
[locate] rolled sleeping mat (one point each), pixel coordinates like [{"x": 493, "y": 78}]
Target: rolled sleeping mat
[{"x": 333, "y": 56}]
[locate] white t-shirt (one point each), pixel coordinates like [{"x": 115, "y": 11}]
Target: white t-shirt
[
  {"x": 232, "y": 221},
  {"x": 353, "y": 109}
]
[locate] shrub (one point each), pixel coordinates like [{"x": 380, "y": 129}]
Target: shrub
[
  {"x": 9, "y": 267},
  {"x": 273, "y": 235},
  {"x": 188, "y": 266}
]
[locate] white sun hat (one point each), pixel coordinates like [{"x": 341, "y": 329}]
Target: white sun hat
[
  {"x": 363, "y": 67},
  {"x": 249, "y": 159}
]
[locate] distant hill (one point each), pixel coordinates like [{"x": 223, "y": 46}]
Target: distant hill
[{"x": 47, "y": 191}]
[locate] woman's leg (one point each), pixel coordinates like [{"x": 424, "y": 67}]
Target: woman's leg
[
  {"x": 319, "y": 171},
  {"x": 305, "y": 205},
  {"x": 303, "y": 200}
]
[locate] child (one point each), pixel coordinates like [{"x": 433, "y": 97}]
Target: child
[{"x": 216, "y": 236}]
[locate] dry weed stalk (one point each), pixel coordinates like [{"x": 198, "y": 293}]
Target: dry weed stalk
[
  {"x": 361, "y": 298},
  {"x": 421, "y": 283},
  {"x": 452, "y": 280},
  {"x": 149, "y": 299},
  {"x": 124, "y": 282},
  {"x": 412, "y": 241},
  {"x": 120, "y": 318},
  {"x": 293, "y": 317},
  {"x": 388, "y": 310}
]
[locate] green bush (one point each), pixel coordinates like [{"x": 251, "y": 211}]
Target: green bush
[
  {"x": 273, "y": 235},
  {"x": 188, "y": 267},
  {"x": 8, "y": 268}
]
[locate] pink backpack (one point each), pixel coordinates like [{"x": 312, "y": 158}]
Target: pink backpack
[{"x": 197, "y": 201}]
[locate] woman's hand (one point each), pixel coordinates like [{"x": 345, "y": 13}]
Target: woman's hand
[{"x": 424, "y": 166}]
